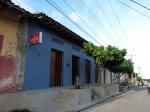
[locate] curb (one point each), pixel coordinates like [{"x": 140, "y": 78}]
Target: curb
[
  {"x": 86, "y": 106},
  {"x": 91, "y": 104}
]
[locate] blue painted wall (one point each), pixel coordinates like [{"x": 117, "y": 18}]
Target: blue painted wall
[{"x": 37, "y": 68}]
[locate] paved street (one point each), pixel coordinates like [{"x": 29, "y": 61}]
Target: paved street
[{"x": 136, "y": 100}]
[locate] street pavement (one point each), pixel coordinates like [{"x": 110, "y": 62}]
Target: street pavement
[{"x": 136, "y": 100}]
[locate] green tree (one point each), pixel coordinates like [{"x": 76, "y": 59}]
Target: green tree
[
  {"x": 113, "y": 56},
  {"x": 105, "y": 56},
  {"x": 125, "y": 67},
  {"x": 110, "y": 57},
  {"x": 97, "y": 52}
]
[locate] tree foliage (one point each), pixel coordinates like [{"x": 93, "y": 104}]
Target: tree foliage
[
  {"x": 139, "y": 79},
  {"x": 98, "y": 53},
  {"x": 110, "y": 57},
  {"x": 125, "y": 67},
  {"x": 106, "y": 56},
  {"x": 114, "y": 56}
]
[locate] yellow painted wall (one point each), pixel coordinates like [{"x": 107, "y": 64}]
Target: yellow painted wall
[{"x": 9, "y": 29}]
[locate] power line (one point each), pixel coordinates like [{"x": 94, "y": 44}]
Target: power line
[
  {"x": 133, "y": 9},
  {"x": 81, "y": 19},
  {"x": 123, "y": 31},
  {"x": 34, "y": 9},
  {"x": 103, "y": 12},
  {"x": 59, "y": 9},
  {"x": 140, "y": 4},
  {"x": 94, "y": 17}
]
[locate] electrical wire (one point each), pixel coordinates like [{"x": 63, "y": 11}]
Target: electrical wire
[
  {"x": 35, "y": 10},
  {"x": 117, "y": 18},
  {"x": 83, "y": 20},
  {"x": 32, "y": 7},
  {"x": 140, "y": 4},
  {"x": 110, "y": 24},
  {"x": 59, "y": 9},
  {"x": 94, "y": 18},
  {"x": 133, "y": 9}
]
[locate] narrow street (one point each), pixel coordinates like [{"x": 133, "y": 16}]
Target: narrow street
[{"x": 136, "y": 100}]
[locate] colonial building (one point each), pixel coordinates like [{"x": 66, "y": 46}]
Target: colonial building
[
  {"x": 58, "y": 59},
  {"x": 37, "y": 52},
  {"x": 9, "y": 23}
]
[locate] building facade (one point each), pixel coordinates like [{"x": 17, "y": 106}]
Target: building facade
[
  {"x": 56, "y": 61},
  {"x": 36, "y": 52},
  {"x": 8, "y": 48}
]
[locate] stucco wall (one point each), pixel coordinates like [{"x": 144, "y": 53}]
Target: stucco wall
[
  {"x": 8, "y": 29},
  {"x": 37, "y": 69},
  {"x": 105, "y": 90},
  {"x": 108, "y": 77},
  {"x": 46, "y": 100},
  {"x": 102, "y": 76}
]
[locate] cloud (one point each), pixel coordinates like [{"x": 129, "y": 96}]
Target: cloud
[
  {"x": 25, "y": 5},
  {"x": 81, "y": 19},
  {"x": 75, "y": 16},
  {"x": 56, "y": 15}
]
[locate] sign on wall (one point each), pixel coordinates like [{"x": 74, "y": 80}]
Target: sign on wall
[{"x": 35, "y": 38}]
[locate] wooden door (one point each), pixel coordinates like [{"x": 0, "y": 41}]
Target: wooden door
[
  {"x": 88, "y": 71},
  {"x": 96, "y": 73},
  {"x": 56, "y": 76},
  {"x": 104, "y": 76},
  {"x": 1, "y": 42},
  {"x": 75, "y": 68},
  {"x": 59, "y": 75}
]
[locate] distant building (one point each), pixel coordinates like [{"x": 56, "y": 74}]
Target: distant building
[
  {"x": 124, "y": 77},
  {"x": 133, "y": 80}
]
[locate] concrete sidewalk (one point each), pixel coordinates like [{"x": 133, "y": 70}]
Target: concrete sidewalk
[
  {"x": 135, "y": 100},
  {"x": 102, "y": 100}
]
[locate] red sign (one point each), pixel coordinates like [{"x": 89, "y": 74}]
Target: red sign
[{"x": 35, "y": 38}]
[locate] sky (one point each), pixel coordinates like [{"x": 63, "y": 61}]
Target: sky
[{"x": 107, "y": 21}]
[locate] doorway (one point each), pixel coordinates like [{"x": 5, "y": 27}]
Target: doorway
[
  {"x": 96, "y": 73},
  {"x": 1, "y": 42},
  {"x": 88, "y": 71},
  {"x": 56, "y": 74},
  {"x": 75, "y": 68}
]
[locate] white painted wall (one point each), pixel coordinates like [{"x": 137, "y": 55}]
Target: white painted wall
[
  {"x": 108, "y": 77},
  {"x": 102, "y": 76}
]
